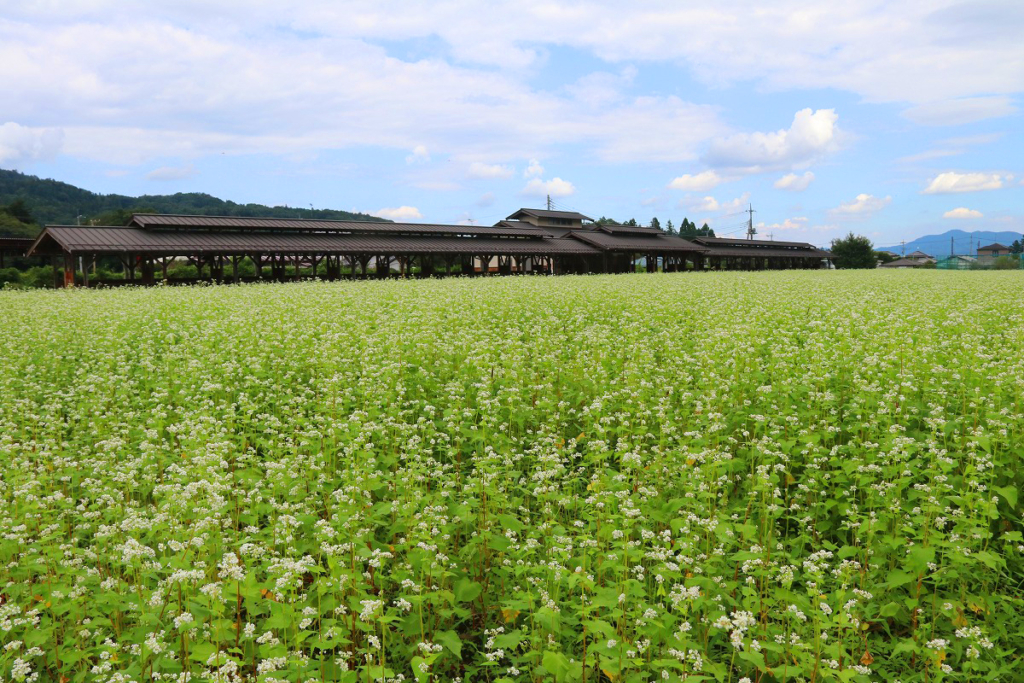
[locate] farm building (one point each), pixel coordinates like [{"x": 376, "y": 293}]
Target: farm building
[
  {"x": 956, "y": 262},
  {"x": 528, "y": 241},
  {"x": 988, "y": 254}
]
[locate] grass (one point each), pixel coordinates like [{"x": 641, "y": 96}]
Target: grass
[{"x": 773, "y": 477}]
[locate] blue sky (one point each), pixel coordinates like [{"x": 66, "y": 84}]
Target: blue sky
[{"x": 890, "y": 119}]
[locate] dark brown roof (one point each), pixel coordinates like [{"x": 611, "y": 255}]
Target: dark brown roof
[
  {"x": 810, "y": 252},
  {"x": 629, "y": 229},
  {"x": 902, "y": 263},
  {"x": 16, "y": 243},
  {"x": 167, "y": 243},
  {"x": 180, "y": 222},
  {"x": 637, "y": 243},
  {"x": 751, "y": 244},
  {"x": 995, "y": 246},
  {"x": 545, "y": 213}
]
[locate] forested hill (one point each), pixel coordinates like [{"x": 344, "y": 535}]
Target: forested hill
[{"x": 54, "y": 202}]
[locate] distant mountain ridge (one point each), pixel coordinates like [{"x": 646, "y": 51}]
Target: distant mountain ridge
[
  {"x": 963, "y": 242},
  {"x": 55, "y": 202}
]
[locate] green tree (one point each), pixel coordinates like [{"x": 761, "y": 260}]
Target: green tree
[
  {"x": 885, "y": 256},
  {"x": 705, "y": 231},
  {"x": 1017, "y": 247},
  {"x": 19, "y": 210},
  {"x": 671, "y": 229},
  {"x": 655, "y": 223},
  {"x": 1006, "y": 262},
  {"x": 853, "y": 251}
]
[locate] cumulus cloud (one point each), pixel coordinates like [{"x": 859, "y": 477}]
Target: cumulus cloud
[
  {"x": 533, "y": 170},
  {"x": 556, "y": 187},
  {"x": 863, "y": 205},
  {"x": 172, "y": 173},
  {"x": 796, "y": 223},
  {"x": 489, "y": 171},
  {"x": 22, "y": 145},
  {"x": 710, "y": 204},
  {"x": 812, "y": 135},
  {"x": 700, "y": 182},
  {"x": 401, "y": 213},
  {"x": 794, "y": 182},
  {"x": 951, "y": 181},
  {"x": 960, "y": 111},
  {"x": 419, "y": 155},
  {"x": 963, "y": 212}
]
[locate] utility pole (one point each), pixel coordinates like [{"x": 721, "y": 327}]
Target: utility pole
[
  {"x": 903, "y": 247},
  {"x": 549, "y": 202},
  {"x": 970, "y": 250},
  {"x": 771, "y": 237},
  {"x": 951, "y": 245},
  {"x": 750, "y": 222}
]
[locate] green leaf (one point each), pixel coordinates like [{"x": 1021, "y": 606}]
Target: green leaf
[
  {"x": 467, "y": 590},
  {"x": 890, "y": 609},
  {"x": 451, "y": 640},
  {"x": 557, "y": 665},
  {"x": 1009, "y": 494}
]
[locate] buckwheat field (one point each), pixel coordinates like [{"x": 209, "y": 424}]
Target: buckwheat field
[{"x": 698, "y": 477}]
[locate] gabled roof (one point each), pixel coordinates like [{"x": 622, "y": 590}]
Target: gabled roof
[
  {"x": 642, "y": 243},
  {"x": 752, "y": 244},
  {"x": 613, "y": 229},
  {"x": 995, "y": 246},
  {"x": 902, "y": 263},
  {"x": 545, "y": 213},
  {"x": 126, "y": 240},
  {"x": 236, "y": 223},
  {"x": 919, "y": 254}
]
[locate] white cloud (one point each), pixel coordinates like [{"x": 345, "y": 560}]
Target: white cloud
[
  {"x": 710, "y": 204},
  {"x": 960, "y": 111},
  {"x": 534, "y": 170},
  {"x": 951, "y": 181},
  {"x": 556, "y": 187},
  {"x": 402, "y": 213},
  {"x": 485, "y": 200},
  {"x": 22, "y": 145},
  {"x": 811, "y": 136},
  {"x": 863, "y": 205},
  {"x": 794, "y": 182},
  {"x": 173, "y": 173},
  {"x": 963, "y": 212},
  {"x": 701, "y": 182},
  {"x": 797, "y": 223},
  {"x": 419, "y": 155},
  {"x": 481, "y": 170}
]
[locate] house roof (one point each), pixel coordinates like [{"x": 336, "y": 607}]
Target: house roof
[
  {"x": 643, "y": 243},
  {"x": 919, "y": 254},
  {"x": 612, "y": 229},
  {"x": 118, "y": 240},
  {"x": 753, "y": 244},
  {"x": 995, "y": 246},
  {"x": 545, "y": 213},
  {"x": 811, "y": 252},
  {"x": 902, "y": 263},
  {"x": 222, "y": 223}
]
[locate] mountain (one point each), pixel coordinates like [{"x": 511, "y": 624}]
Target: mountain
[
  {"x": 52, "y": 202},
  {"x": 963, "y": 242}
]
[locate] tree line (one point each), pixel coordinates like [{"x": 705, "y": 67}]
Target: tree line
[{"x": 686, "y": 229}]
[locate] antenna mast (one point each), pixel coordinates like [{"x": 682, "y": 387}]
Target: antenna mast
[
  {"x": 750, "y": 222},
  {"x": 549, "y": 202}
]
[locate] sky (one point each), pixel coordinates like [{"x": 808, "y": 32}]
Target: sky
[{"x": 891, "y": 119}]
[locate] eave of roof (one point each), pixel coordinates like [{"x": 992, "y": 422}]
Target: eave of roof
[
  {"x": 183, "y": 222},
  {"x": 645, "y": 243},
  {"x": 545, "y": 213},
  {"x": 122, "y": 240}
]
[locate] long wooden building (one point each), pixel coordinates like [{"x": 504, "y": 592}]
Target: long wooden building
[{"x": 528, "y": 241}]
